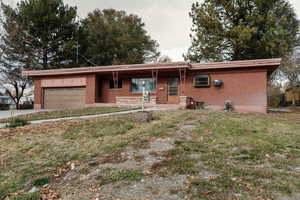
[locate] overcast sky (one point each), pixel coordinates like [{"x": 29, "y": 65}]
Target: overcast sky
[{"x": 167, "y": 21}]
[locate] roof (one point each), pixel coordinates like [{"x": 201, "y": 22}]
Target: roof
[
  {"x": 157, "y": 66},
  {"x": 237, "y": 64}
]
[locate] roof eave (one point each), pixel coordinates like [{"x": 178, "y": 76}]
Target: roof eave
[{"x": 91, "y": 71}]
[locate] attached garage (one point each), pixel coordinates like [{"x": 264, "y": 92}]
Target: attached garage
[{"x": 64, "y": 98}]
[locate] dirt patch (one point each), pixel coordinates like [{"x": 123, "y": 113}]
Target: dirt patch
[
  {"x": 287, "y": 197},
  {"x": 79, "y": 184},
  {"x": 149, "y": 188},
  {"x": 76, "y": 185}
]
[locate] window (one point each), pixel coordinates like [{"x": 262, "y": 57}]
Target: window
[
  {"x": 201, "y": 81},
  {"x": 112, "y": 84},
  {"x": 137, "y": 85}
]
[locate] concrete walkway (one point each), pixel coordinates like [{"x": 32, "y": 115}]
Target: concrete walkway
[{"x": 90, "y": 116}]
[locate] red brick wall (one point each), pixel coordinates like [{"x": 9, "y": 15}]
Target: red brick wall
[
  {"x": 247, "y": 89},
  {"x": 91, "y": 89},
  {"x": 108, "y": 95},
  {"x": 37, "y": 94}
]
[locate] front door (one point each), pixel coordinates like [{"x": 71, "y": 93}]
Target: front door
[{"x": 173, "y": 90}]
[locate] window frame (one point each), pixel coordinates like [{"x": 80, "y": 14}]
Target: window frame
[
  {"x": 202, "y": 85},
  {"x": 140, "y": 92}
]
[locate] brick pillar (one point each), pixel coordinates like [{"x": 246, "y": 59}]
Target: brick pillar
[
  {"x": 91, "y": 93},
  {"x": 38, "y": 91}
]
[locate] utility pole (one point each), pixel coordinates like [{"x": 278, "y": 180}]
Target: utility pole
[
  {"x": 143, "y": 95},
  {"x": 77, "y": 52}
]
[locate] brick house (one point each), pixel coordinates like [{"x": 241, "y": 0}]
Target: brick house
[{"x": 244, "y": 83}]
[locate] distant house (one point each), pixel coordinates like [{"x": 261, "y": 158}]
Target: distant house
[
  {"x": 181, "y": 84},
  {"x": 5, "y": 102}
]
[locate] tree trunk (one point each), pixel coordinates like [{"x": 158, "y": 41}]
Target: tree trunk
[
  {"x": 18, "y": 105},
  {"x": 293, "y": 100}
]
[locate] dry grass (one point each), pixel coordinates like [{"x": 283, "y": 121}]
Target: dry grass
[
  {"x": 227, "y": 155},
  {"x": 250, "y": 156},
  {"x": 68, "y": 113},
  {"x": 34, "y": 152}
]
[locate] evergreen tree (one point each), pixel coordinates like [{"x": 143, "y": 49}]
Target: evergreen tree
[
  {"x": 242, "y": 29},
  {"x": 52, "y": 27},
  {"x": 113, "y": 37}
]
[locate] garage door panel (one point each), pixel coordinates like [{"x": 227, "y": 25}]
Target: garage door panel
[{"x": 64, "y": 98}]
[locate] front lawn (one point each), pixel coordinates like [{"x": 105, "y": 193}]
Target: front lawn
[
  {"x": 67, "y": 113},
  {"x": 180, "y": 155}
]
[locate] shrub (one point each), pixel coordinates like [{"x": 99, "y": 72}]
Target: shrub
[{"x": 16, "y": 123}]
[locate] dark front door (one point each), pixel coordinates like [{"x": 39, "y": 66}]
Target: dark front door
[{"x": 173, "y": 90}]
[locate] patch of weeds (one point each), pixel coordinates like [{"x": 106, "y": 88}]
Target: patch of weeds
[
  {"x": 157, "y": 132},
  {"x": 109, "y": 128},
  {"x": 71, "y": 133},
  {"x": 190, "y": 146},
  {"x": 41, "y": 182},
  {"x": 284, "y": 188},
  {"x": 174, "y": 152},
  {"x": 250, "y": 154},
  {"x": 161, "y": 129},
  {"x": 31, "y": 196},
  {"x": 183, "y": 165},
  {"x": 175, "y": 165},
  {"x": 140, "y": 143},
  {"x": 224, "y": 187},
  {"x": 113, "y": 147},
  {"x": 112, "y": 175},
  {"x": 16, "y": 123},
  {"x": 84, "y": 171},
  {"x": 99, "y": 128},
  {"x": 115, "y": 157}
]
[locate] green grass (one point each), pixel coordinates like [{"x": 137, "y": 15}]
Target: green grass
[
  {"x": 16, "y": 123},
  {"x": 67, "y": 113}
]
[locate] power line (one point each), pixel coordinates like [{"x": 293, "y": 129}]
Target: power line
[
  {"x": 77, "y": 46},
  {"x": 88, "y": 60}
]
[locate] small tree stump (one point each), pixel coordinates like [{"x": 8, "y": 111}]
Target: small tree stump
[{"x": 142, "y": 116}]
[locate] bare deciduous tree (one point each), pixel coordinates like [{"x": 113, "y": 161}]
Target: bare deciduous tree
[
  {"x": 14, "y": 55},
  {"x": 14, "y": 85}
]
